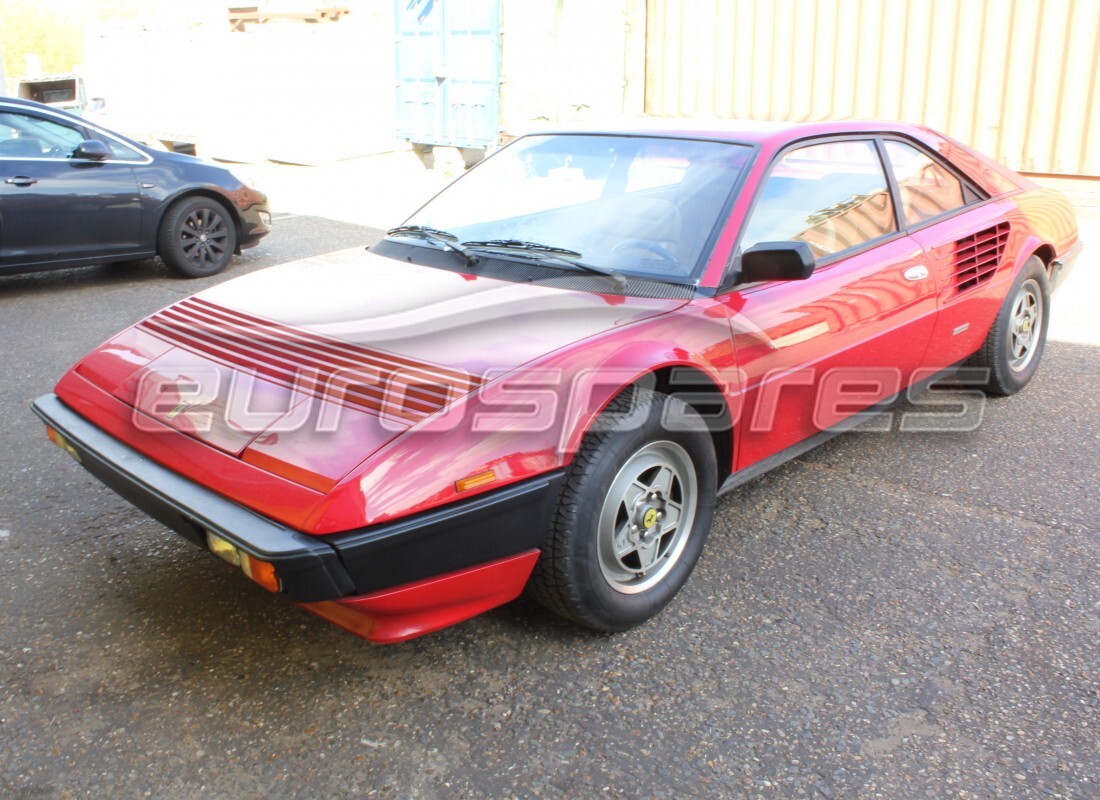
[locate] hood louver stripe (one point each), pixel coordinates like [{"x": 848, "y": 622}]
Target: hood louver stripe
[{"x": 335, "y": 370}]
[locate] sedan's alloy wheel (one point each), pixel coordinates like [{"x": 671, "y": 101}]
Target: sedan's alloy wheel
[
  {"x": 203, "y": 238},
  {"x": 197, "y": 237}
]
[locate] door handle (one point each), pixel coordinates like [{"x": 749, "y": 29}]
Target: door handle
[
  {"x": 21, "y": 180},
  {"x": 917, "y": 273}
]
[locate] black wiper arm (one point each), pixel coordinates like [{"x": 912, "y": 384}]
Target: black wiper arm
[
  {"x": 414, "y": 229},
  {"x": 445, "y": 239},
  {"x": 520, "y": 244},
  {"x": 546, "y": 252}
]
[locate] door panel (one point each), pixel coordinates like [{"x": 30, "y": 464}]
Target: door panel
[
  {"x": 814, "y": 352},
  {"x": 59, "y": 210}
]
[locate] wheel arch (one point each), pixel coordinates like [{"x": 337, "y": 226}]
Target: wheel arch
[
  {"x": 201, "y": 191},
  {"x": 1046, "y": 254},
  {"x": 692, "y": 384},
  {"x": 702, "y": 393}
]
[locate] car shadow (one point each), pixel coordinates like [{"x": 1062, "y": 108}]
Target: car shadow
[{"x": 106, "y": 274}]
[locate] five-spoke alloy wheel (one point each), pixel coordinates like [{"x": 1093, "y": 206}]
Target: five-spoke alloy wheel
[
  {"x": 1015, "y": 342},
  {"x": 633, "y": 514},
  {"x": 647, "y": 517},
  {"x": 1025, "y": 325}
]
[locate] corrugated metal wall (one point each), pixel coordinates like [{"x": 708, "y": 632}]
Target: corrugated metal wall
[{"x": 1015, "y": 78}]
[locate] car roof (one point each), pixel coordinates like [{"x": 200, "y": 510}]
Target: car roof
[
  {"x": 733, "y": 130},
  {"x": 19, "y": 101}
]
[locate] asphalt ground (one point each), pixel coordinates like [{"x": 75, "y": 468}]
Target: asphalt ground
[{"x": 892, "y": 615}]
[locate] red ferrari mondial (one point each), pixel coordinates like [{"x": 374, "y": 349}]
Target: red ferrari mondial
[{"x": 543, "y": 379}]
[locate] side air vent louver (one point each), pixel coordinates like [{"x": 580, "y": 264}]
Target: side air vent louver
[{"x": 977, "y": 256}]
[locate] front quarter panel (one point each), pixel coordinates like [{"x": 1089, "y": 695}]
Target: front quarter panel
[
  {"x": 165, "y": 180},
  {"x": 526, "y": 422}
]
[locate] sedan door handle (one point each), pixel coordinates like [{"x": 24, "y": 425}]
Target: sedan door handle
[{"x": 21, "y": 180}]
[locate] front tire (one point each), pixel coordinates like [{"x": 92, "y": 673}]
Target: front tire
[
  {"x": 1012, "y": 350},
  {"x": 197, "y": 237},
  {"x": 633, "y": 515}
]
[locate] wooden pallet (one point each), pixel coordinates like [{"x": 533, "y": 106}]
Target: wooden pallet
[{"x": 240, "y": 16}]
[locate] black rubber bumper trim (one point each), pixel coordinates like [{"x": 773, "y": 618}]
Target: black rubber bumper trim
[
  {"x": 315, "y": 568},
  {"x": 485, "y": 528},
  {"x": 308, "y": 567}
]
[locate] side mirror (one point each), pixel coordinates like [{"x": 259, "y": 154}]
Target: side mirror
[
  {"x": 777, "y": 261},
  {"x": 91, "y": 150}
]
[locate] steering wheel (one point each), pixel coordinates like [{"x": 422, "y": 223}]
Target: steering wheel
[{"x": 647, "y": 246}]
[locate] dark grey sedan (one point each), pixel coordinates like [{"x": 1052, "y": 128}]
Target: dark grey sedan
[{"x": 73, "y": 193}]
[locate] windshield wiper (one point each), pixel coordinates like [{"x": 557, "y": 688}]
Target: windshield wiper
[
  {"x": 520, "y": 244},
  {"x": 445, "y": 239},
  {"x": 547, "y": 252}
]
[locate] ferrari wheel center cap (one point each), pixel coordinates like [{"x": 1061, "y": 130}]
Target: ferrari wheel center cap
[{"x": 649, "y": 519}]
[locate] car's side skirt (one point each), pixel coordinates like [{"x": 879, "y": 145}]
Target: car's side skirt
[
  {"x": 754, "y": 471},
  {"x": 70, "y": 263}
]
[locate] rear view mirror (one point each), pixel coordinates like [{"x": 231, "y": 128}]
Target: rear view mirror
[
  {"x": 777, "y": 261},
  {"x": 91, "y": 150}
]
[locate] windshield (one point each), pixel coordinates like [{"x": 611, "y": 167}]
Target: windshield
[{"x": 640, "y": 206}]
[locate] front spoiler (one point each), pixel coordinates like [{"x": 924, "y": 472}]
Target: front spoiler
[{"x": 312, "y": 569}]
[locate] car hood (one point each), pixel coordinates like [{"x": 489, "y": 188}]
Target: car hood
[
  {"x": 437, "y": 317},
  {"x": 352, "y": 344}
]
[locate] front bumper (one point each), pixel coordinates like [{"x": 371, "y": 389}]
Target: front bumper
[
  {"x": 255, "y": 225},
  {"x": 492, "y": 526}
]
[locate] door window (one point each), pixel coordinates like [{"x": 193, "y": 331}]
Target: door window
[
  {"x": 927, "y": 188},
  {"x": 27, "y": 136},
  {"x": 833, "y": 196}
]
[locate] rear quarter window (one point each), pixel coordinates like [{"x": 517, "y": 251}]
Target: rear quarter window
[{"x": 926, "y": 187}]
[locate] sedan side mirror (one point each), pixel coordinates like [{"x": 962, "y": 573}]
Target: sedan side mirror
[
  {"x": 777, "y": 261},
  {"x": 91, "y": 150}
]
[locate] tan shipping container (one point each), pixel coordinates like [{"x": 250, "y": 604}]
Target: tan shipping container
[{"x": 1015, "y": 78}]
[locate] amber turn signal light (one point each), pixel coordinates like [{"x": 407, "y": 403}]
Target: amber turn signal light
[
  {"x": 59, "y": 440},
  {"x": 262, "y": 572},
  {"x": 480, "y": 479}
]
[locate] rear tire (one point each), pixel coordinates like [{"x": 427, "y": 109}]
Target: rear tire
[
  {"x": 197, "y": 237},
  {"x": 1012, "y": 350},
  {"x": 633, "y": 515}
]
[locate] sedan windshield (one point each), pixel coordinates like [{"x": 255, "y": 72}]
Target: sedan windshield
[{"x": 629, "y": 205}]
